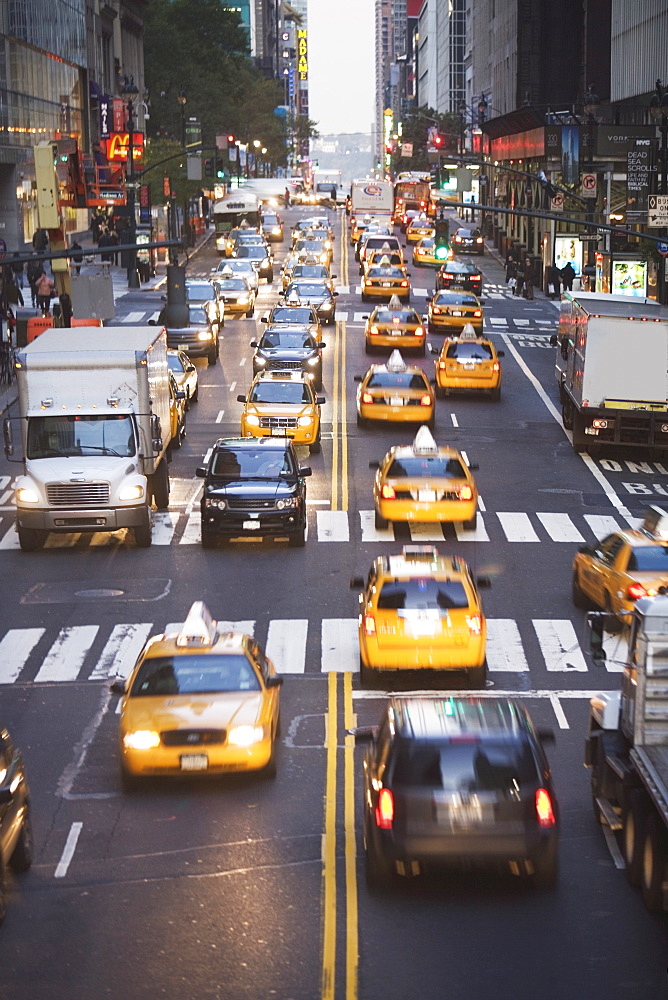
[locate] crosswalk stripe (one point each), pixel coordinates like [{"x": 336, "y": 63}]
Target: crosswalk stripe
[
  {"x": 333, "y": 526},
  {"x": 601, "y": 525},
  {"x": 559, "y": 645},
  {"x": 504, "y": 646},
  {"x": 193, "y": 530},
  {"x": 560, "y": 528},
  {"x": 164, "y": 525},
  {"x": 65, "y": 658},
  {"x": 121, "y": 651},
  {"x": 479, "y": 533},
  {"x": 517, "y": 527},
  {"x": 340, "y": 645},
  {"x": 10, "y": 539},
  {"x": 247, "y": 627},
  {"x": 425, "y": 532},
  {"x": 370, "y": 533},
  {"x": 15, "y": 648},
  {"x": 286, "y": 644},
  {"x": 134, "y": 317}
]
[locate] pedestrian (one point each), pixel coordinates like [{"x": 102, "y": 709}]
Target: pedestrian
[
  {"x": 287, "y": 197},
  {"x": 96, "y": 222},
  {"x": 332, "y": 194},
  {"x": 17, "y": 268},
  {"x": 105, "y": 240},
  {"x": 66, "y": 309},
  {"x": 46, "y": 286},
  {"x": 511, "y": 271},
  {"x": 33, "y": 272},
  {"x": 114, "y": 238},
  {"x": 77, "y": 255},
  {"x": 529, "y": 276},
  {"x": 553, "y": 282},
  {"x": 40, "y": 240},
  {"x": 567, "y": 277},
  {"x": 12, "y": 292}
]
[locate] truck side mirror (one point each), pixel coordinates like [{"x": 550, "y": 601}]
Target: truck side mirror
[
  {"x": 596, "y": 621},
  {"x": 9, "y": 442},
  {"x": 156, "y": 432}
]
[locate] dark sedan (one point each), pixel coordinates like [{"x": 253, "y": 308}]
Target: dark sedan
[
  {"x": 313, "y": 293},
  {"x": 285, "y": 348},
  {"x": 460, "y": 274},
  {"x": 259, "y": 257},
  {"x": 468, "y": 241}
]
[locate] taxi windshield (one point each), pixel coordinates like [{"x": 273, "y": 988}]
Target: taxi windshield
[
  {"x": 250, "y": 463},
  {"x": 281, "y": 392},
  {"x": 252, "y": 251},
  {"x": 233, "y": 285},
  {"x": 397, "y": 380},
  {"x": 291, "y": 314},
  {"x": 391, "y": 315},
  {"x": 422, "y": 595},
  {"x": 310, "y": 271},
  {"x": 469, "y": 351},
  {"x": 453, "y": 299},
  {"x": 175, "y": 364},
  {"x": 287, "y": 339},
  {"x": 304, "y": 288},
  {"x": 649, "y": 559},
  {"x": 194, "y": 674},
  {"x": 385, "y": 272},
  {"x": 428, "y": 466}
]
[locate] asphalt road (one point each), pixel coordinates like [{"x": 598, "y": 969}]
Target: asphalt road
[{"x": 246, "y": 889}]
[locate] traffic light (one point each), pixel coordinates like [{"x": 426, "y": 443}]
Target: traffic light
[
  {"x": 208, "y": 168},
  {"x": 438, "y": 141},
  {"x": 441, "y": 239},
  {"x": 230, "y": 140},
  {"x": 220, "y": 172},
  {"x": 435, "y": 177}
]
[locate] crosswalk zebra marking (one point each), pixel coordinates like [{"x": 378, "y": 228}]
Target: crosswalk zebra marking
[
  {"x": 517, "y": 527},
  {"x": 370, "y": 533},
  {"x": 504, "y": 646},
  {"x": 15, "y": 649},
  {"x": 559, "y": 645},
  {"x": 559, "y": 527},
  {"x": 340, "y": 645},
  {"x": 134, "y": 317},
  {"x": 477, "y": 534},
  {"x": 601, "y": 524},
  {"x": 333, "y": 526},
  {"x": 66, "y": 656},
  {"x": 121, "y": 651},
  {"x": 425, "y": 532},
  {"x": 286, "y": 644},
  {"x": 164, "y": 526},
  {"x": 192, "y": 533}
]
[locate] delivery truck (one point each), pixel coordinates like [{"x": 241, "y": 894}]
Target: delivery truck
[
  {"x": 94, "y": 428},
  {"x": 612, "y": 372}
]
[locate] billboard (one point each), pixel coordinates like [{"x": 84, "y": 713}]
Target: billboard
[
  {"x": 570, "y": 154},
  {"x": 568, "y": 250},
  {"x": 629, "y": 277}
]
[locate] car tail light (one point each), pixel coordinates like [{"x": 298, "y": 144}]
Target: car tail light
[
  {"x": 544, "y": 809},
  {"x": 367, "y": 397},
  {"x": 496, "y": 367},
  {"x": 465, "y": 493},
  {"x": 436, "y": 310},
  {"x": 636, "y": 591},
  {"x": 425, "y": 400},
  {"x": 478, "y": 312},
  {"x": 479, "y": 239},
  {"x": 419, "y": 332},
  {"x": 474, "y": 623},
  {"x": 388, "y": 492},
  {"x": 458, "y": 239},
  {"x": 442, "y": 364},
  {"x": 369, "y": 625},
  {"x": 374, "y": 331},
  {"x": 404, "y": 284},
  {"x": 385, "y": 809}
]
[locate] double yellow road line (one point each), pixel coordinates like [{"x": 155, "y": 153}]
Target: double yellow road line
[{"x": 332, "y": 884}]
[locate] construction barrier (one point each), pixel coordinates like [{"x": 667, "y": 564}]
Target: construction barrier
[{"x": 38, "y": 324}]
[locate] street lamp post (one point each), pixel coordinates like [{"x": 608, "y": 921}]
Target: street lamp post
[
  {"x": 658, "y": 107},
  {"x": 130, "y": 91},
  {"x": 482, "y": 192},
  {"x": 591, "y": 104}
]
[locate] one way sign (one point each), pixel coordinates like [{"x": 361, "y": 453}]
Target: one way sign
[{"x": 657, "y": 210}]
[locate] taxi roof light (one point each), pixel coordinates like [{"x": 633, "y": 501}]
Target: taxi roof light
[
  {"x": 420, "y": 553},
  {"x": 655, "y": 523},
  {"x": 199, "y": 628},
  {"x": 468, "y": 333},
  {"x": 395, "y": 302},
  {"x": 424, "y": 443},
  {"x": 395, "y": 362}
]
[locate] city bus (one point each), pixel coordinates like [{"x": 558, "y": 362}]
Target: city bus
[
  {"x": 412, "y": 191},
  {"x": 237, "y": 208}
]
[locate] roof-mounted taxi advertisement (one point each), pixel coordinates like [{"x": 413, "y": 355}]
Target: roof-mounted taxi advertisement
[
  {"x": 421, "y": 610},
  {"x": 199, "y": 701},
  {"x": 469, "y": 363},
  {"x": 394, "y": 325},
  {"x": 424, "y": 482},
  {"x": 396, "y": 392}
]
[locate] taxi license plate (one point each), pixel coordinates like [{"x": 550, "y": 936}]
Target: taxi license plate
[
  {"x": 278, "y": 432},
  {"x": 387, "y": 284},
  {"x": 250, "y": 525},
  {"x": 194, "y": 762},
  {"x": 396, "y": 401},
  {"x": 456, "y": 312},
  {"x": 426, "y": 496},
  {"x": 469, "y": 367}
]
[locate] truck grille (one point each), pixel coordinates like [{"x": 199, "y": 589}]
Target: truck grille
[
  {"x": 78, "y": 494},
  {"x": 278, "y": 421}
]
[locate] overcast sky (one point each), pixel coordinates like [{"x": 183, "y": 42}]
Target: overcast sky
[{"x": 341, "y": 65}]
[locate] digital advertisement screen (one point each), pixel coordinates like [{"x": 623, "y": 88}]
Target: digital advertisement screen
[
  {"x": 568, "y": 249},
  {"x": 629, "y": 277}
]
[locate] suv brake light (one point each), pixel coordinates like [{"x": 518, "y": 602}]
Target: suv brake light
[
  {"x": 544, "y": 810},
  {"x": 385, "y": 809}
]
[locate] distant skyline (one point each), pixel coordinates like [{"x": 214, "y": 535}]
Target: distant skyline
[{"x": 341, "y": 65}]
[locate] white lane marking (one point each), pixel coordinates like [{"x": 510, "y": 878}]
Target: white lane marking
[
  {"x": 342, "y": 316},
  {"x": 233, "y": 386},
  {"x": 504, "y": 646},
  {"x": 333, "y": 526},
  {"x": 242, "y": 362},
  {"x": 601, "y": 525},
  {"x": 559, "y": 713},
  {"x": 286, "y": 644},
  {"x": 522, "y": 322},
  {"x": 192, "y": 534},
  {"x": 360, "y": 317},
  {"x": 465, "y": 457},
  {"x": 10, "y": 539},
  {"x": 560, "y": 528},
  {"x": 370, "y": 533},
  {"x": 498, "y": 321},
  {"x": 15, "y": 648},
  {"x": 164, "y": 524},
  {"x": 425, "y": 532},
  {"x": 517, "y": 527},
  {"x": 455, "y": 422},
  {"x": 121, "y": 651},
  {"x": 219, "y": 418},
  {"x": 481, "y": 504},
  {"x": 65, "y": 658},
  {"x": 68, "y": 850},
  {"x": 247, "y": 627},
  {"x": 559, "y": 645},
  {"x": 339, "y": 645},
  {"x": 479, "y": 533},
  {"x": 532, "y": 693}
]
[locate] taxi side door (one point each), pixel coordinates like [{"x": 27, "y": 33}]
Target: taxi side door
[{"x": 598, "y": 575}]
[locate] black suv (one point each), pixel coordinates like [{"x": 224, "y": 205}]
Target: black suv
[
  {"x": 289, "y": 348},
  {"x": 452, "y": 780},
  {"x": 15, "y": 827},
  {"x": 253, "y": 487}
]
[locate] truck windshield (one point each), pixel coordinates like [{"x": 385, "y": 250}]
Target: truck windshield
[{"x": 109, "y": 434}]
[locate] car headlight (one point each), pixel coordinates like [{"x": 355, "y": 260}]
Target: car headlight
[
  {"x": 245, "y": 736},
  {"x": 252, "y": 420},
  {"x": 313, "y": 361},
  {"x": 305, "y": 421},
  {"x": 276, "y": 231},
  {"x": 288, "y": 502},
  {"x": 215, "y": 502},
  {"x": 326, "y": 306},
  {"x": 205, "y": 335},
  {"x": 259, "y": 360},
  {"x": 26, "y": 495},
  {"x": 142, "y": 739},
  {"x": 131, "y": 493},
  {"x": 243, "y": 300}
]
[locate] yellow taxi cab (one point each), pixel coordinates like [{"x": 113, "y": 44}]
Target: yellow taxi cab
[
  {"x": 308, "y": 269},
  {"x": 374, "y": 257},
  {"x": 421, "y": 610},
  {"x": 177, "y": 412},
  {"x": 185, "y": 375},
  {"x": 384, "y": 280},
  {"x": 230, "y": 239},
  {"x": 453, "y": 310},
  {"x": 623, "y": 567},
  {"x": 394, "y": 325},
  {"x": 395, "y": 391},
  {"x": 469, "y": 362},
  {"x": 424, "y": 482},
  {"x": 282, "y": 404},
  {"x": 418, "y": 228},
  {"x": 424, "y": 253},
  {"x": 201, "y": 700}
]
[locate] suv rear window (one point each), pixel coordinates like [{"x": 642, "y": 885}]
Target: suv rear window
[{"x": 469, "y": 766}]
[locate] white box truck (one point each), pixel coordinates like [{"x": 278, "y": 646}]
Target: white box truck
[
  {"x": 612, "y": 371},
  {"x": 94, "y": 418},
  {"x": 373, "y": 198}
]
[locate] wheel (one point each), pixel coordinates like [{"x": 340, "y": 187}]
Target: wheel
[
  {"x": 546, "y": 867},
  {"x": 471, "y": 525},
  {"x": 379, "y": 869},
  {"x": 211, "y": 358},
  {"x": 580, "y": 599},
  {"x": 316, "y": 447},
  {"x": 440, "y": 392},
  {"x": 634, "y": 818},
  {"x": 270, "y": 279},
  {"x": 362, "y": 422},
  {"x": 567, "y": 414},
  {"x": 431, "y": 423},
  {"x": 250, "y": 313},
  {"x": 653, "y": 863},
  {"x": 495, "y": 394},
  {"x": 298, "y": 540},
  {"x": 380, "y": 522},
  {"x": 612, "y": 623},
  {"x": 31, "y": 539},
  {"x": 144, "y": 532},
  {"x": 420, "y": 352},
  {"x": 21, "y": 859},
  {"x": 129, "y": 782},
  {"x": 177, "y": 441},
  {"x": 477, "y": 676},
  {"x": 160, "y": 486},
  {"x": 195, "y": 395},
  {"x": 270, "y": 770},
  {"x": 208, "y": 539}
]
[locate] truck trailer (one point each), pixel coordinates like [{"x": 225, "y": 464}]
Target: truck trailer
[
  {"x": 94, "y": 427},
  {"x": 612, "y": 371}
]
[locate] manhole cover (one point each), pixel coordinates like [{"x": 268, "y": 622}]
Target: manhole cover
[{"x": 99, "y": 592}]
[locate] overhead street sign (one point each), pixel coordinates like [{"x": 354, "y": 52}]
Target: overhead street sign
[
  {"x": 657, "y": 210},
  {"x": 589, "y": 186},
  {"x": 588, "y": 237}
]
